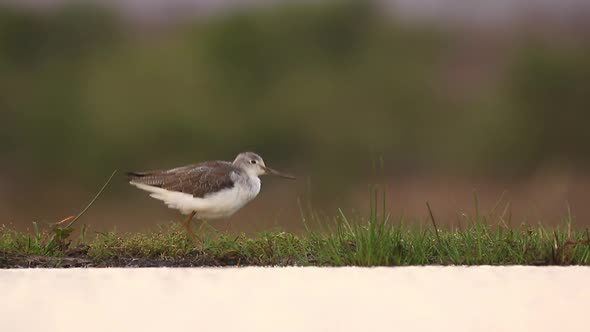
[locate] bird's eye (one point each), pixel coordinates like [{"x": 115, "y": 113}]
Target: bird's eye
[{"x": 252, "y": 161}]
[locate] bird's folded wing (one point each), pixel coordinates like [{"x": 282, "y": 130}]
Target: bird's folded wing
[{"x": 197, "y": 180}]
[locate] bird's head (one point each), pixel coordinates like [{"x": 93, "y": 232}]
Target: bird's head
[{"x": 254, "y": 165}]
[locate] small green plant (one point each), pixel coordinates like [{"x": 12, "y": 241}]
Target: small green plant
[{"x": 51, "y": 241}]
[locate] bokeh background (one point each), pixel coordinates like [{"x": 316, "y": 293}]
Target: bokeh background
[{"x": 434, "y": 99}]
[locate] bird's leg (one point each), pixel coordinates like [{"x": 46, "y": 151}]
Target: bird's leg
[{"x": 187, "y": 225}]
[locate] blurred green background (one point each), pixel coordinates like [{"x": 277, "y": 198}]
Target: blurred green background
[{"x": 343, "y": 94}]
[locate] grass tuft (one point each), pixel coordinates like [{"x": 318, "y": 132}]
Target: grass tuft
[{"x": 374, "y": 240}]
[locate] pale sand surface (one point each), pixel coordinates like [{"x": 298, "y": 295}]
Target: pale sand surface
[{"x": 296, "y": 299}]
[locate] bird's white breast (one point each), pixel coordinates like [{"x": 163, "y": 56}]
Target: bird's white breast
[{"x": 226, "y": 202}]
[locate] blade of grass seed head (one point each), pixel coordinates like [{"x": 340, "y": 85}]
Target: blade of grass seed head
[
  {"x": 433, "y": 223},
  {"x": 308, "y": 193},
  {"x": 476, "y": 203},
  {"x": 373, "y": 203},
  {"x": 82, "y": 235},
  {"x": 66, "y": 219},
  {"x": 569, "y": 213},
  {"x": 498, "y": 203},
  {"x": 504, "y": 213},
  {"x": 556, "y": 259},
  {"x": 384, "y": 205},
  {"x": 387, "y": 216},
  {"x": 302, "y": 214},
  {"x": 344, "y": 219},
  {"x": 36, "y": 231},
  {"x": 92, "y": 201}
]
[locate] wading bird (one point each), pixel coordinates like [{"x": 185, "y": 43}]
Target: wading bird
[{"x": 207, "y": 190}]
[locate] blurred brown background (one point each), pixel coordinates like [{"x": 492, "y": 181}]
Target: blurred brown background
[{"x": 436, "y": 99}]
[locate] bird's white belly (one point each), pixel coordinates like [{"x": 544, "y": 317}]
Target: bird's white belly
[
  {"x": 224, "y": 203},
  {"x": 215, "y": 205}
]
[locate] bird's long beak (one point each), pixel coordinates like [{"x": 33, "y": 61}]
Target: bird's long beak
[{"x": 271, "y": 171}]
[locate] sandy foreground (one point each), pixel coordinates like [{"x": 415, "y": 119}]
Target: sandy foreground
[{"x": 296, "y": 299}]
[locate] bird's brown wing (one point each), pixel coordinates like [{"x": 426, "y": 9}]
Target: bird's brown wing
[{"x": 197, "y": 180}]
